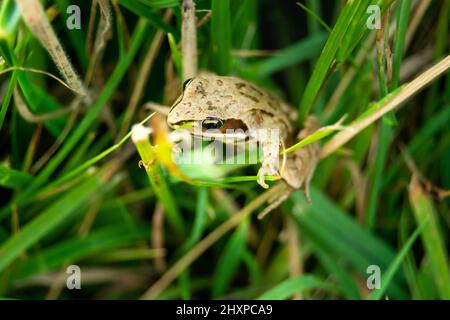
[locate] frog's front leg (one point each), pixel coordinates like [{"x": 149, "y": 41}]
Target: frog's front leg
[
  {"x": 269, "y": 131},
  {"x": 270, "y": 144}
]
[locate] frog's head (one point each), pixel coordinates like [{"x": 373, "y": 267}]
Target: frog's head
[{"x": 205, "y": 103}]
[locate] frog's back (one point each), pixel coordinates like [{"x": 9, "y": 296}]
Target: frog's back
[
  {"x": 226, "y": 97},
  {"x": 250, "y": 97}
]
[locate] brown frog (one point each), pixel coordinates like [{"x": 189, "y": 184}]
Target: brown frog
[{"x": 218, "y": 105}]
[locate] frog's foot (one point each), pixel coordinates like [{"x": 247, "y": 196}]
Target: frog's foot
[
  {"x": 260, "y": 180},
  {"x": 274, "y": 203},
  {"x": 306, "y": 192},
  {"x": 306, "y": 189},
  {"x": 146, "y": 165},
  {"x": 266, "y": 170}
]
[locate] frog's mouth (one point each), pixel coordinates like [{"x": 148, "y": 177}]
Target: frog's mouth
[{"x": 215, "y": 128}]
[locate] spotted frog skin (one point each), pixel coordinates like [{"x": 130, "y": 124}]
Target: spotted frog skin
[{"x": 221, "y": 103}]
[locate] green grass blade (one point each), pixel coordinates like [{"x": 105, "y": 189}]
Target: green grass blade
[
  {"x": 314, "y": 137},
  {"x": 176, "y": 54},
  {"x": 297, "y": 53},
  {"x": 229, "y": 260},
  {"x": 431, "y": 237},
  {"x": 384, "y": 141},
  {"x": 48, "y": 220},
  {"x": 75, "y": 249},
  {"x": 399, "y": 44},
  {"x": 9, "y": 19},
  {"x": 312, "y": 22},
  {"x": 13, "y": 179},
  {"x": 199, "y": 220},
  {"x": 221, "y": 36},
  {"x": 7, "y": 99},
  {"x": 346, "y": 283},
  {"x": 159, "y": 4},
  {"x": 144, "y": 11},
  {"x": 395, "y": 265},
  {"x": 253, "y": 268},
  {"x": 409, "y": 264},
  {"x": 327, "y": 226},
  {"x": 440, "y": 50},
  {"x": 357, "y": 28},
  {"x": 313, "y": 18},
  {"x": 289, "y": 287},
  {"x": 426, "y": 134},
  {"x": 325, "y": 61}
]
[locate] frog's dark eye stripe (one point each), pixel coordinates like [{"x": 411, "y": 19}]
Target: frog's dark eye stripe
[
  {"x": 212, "y": 123},
  {"x": 186, "y": 83}
]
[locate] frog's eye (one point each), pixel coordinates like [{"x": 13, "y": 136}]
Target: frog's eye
[
  {"x": 212, "y": 123},
  {"x": 186, "y": 83}
]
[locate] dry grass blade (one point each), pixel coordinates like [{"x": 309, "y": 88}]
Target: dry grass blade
[
  {"x": 31, "y": 150},
  {"x": 422, "y": 7},
  {"x": 23, "y": 110},
  {"x": 361, "y": 188},
  {"x": 65, "y": 131},
  {"x": 90, "y": 276},
  {"x": 103, "y": 35},
  {"x": 158, "y": 237},
  {"x": 294, "y": 249},
  {"x": 404, "y": 93},
  {"x": 189, "y": 40},
  {"x": 90, "y": 31},
  {"x": 428, "y": 186},
  {"x": 254, "y": 53},
  {"x": 34, "y": 16},
  {"x": 32, "y": 70}
]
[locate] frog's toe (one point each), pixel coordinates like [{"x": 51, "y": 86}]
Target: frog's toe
[
  {"x": 261, "y": 182},
  {"x": 306, "y": 192}
]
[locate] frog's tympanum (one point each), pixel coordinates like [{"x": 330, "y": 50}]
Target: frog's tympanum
[{"x": 218, "y": 104}]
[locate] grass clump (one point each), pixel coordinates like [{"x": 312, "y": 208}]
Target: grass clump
[{"x": 72, "y": 192}]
